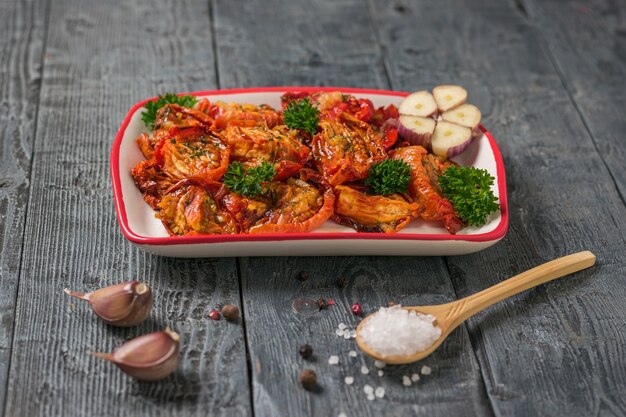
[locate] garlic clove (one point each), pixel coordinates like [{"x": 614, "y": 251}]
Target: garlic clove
[
  {"x": 150, "y": 357},
  {"x": 126, "y": 304}
]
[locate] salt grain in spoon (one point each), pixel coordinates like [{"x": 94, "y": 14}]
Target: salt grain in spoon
[{"x": 394, "y": 331}]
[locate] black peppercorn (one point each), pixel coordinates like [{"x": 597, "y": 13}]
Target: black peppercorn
[
  {"x": 321, "y": 303},
  {"x": 302, "y": 276},
  {"x": 308, "y": 379},
  {"x": 306, "y": 351},
  {"x": 230, "y": 312}
]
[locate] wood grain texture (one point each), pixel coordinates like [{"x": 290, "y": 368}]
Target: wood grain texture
[
  {"x": 556, "y": 350},
  {"x": 102, "y": 57},
  {"x": 21, "y": 48},
  {"x": 594, "y": 71},
  {"x": 275, "y": 333},
  {"x": 285, "y": 42},
  {"x": 319, "y": 47}
]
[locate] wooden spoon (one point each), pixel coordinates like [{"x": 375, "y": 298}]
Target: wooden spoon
[{"x": 449, "y": 316}]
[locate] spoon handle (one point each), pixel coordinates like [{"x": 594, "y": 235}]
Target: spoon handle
[{"x": 529, "y": 279}]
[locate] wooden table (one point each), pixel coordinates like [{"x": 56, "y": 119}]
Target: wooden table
[{"x": 549, "y": 77}]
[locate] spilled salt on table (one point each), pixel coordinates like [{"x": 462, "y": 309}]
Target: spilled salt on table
[{"x": 394, "y": 331}]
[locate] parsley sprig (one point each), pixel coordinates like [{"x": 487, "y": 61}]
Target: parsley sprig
[
  {"x": 300, "y": 114},
  {"x": 469, "y": 191},
  {"x": 248, "y": 182},
  {"x": 388, "y": 177},
  {"x": 149, "y": 116}
]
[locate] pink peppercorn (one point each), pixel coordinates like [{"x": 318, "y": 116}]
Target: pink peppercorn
[
  {"x": 356, "y": 308},
  {"x": 214, "y": 315}
]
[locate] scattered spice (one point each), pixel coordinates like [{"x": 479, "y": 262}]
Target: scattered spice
[
  {"x": 230, "y": 312},
  {"x": 302, "y": 276},
  {"x": 333, "y": 360},
  {"x": 352, "y": 353},
  {"x": 391, "y": 303},
  {"x": 214, "y": 314},
  {"x": 306, "y": 351},
  {"x": 356, "y": 309},
  {"x": 426, "y": 370},
  {"x": 406, "y": 381},
  {"x": 349, "y": 380},
  {"x": 365, "y": 370},
  {"x": 342, "y": 282},
  {"x": 322, "y": 303},
  {"x": 308, "y": 379},
  {"x": 415, "y": 377}
]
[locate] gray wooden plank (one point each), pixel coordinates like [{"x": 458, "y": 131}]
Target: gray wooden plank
[
  {"x": 556, "y": 350},
  {"x": 101, "y": 57},
  {"x": 318, "y": 47},
  {"x": 284, "y": 42},
  {"x": 587, "y": 43},
  {"x": 21, "y": 47}
]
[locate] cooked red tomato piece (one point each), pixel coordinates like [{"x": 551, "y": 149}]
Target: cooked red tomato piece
[
  {"x": 345, "y": 150},
  {"x": 292, "y": 206},
  {"x": 245, "y": 115},
  {"x": 195, "y": 153},
  {"x": 151, "y": 181},
  {"x": 332, "y": 104},
  {"x": 279, "y": 146},
  {"x": 174, "y": 115},
  {"x": 373, "y": 213},
  {"x": 424, "y": 186},
  {"x": 192, "y": 209}
]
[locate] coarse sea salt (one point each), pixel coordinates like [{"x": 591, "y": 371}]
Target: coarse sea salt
[
  {"x": 426, "y": 370},
  {"x": 394, "y": 331},
  {"x": 333, "y": 360},
  {"x": 349, "y": 380},
  {"x": 352, "y": 353}
]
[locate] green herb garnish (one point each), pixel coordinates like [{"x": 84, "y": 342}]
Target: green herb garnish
[
  {"x": 248, "y": 182},
  {"x": 469, "y": 190},
  {"x": 300, "y": 114},
  {"x": 149, "y": 116},
  {"x": 389, "y": 176}
]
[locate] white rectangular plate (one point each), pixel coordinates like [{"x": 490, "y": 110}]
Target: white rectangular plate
[{"x": 139, "y": 225}]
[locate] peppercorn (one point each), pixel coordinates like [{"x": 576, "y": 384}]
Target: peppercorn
[
  {"x": 308, "y": 379},
  {"x": 214, "y": 314},
  {"x": 356, "y": 308},
  {"x": 342, "y": 282},
  {"x": 302, "y": 276},
  {"x": 230, "y": 312},
  {"x": 321, "y": 303},
  {"x": 306, "y": 351}
]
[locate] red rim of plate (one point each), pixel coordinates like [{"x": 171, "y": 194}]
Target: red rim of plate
[{"x": 122, "y": 218}]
